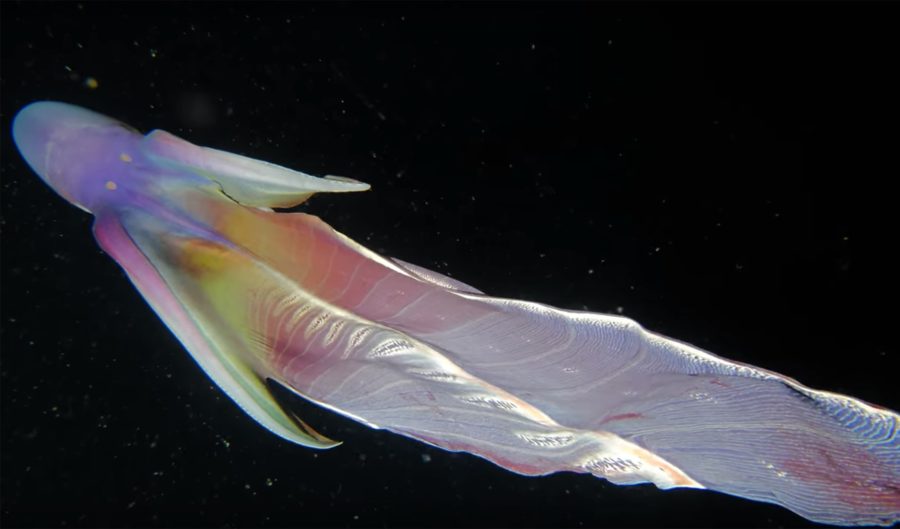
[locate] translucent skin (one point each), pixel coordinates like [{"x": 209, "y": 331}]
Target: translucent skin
[{"x": 254, "y": 294}]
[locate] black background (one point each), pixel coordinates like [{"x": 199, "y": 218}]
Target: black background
[{"x": 723, "y": 174}]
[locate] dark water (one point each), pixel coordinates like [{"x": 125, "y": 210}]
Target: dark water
[{"x": 722, "y": 174}]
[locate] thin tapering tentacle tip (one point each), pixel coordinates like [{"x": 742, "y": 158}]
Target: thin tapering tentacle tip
[{"x": 347, "y": 184}]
